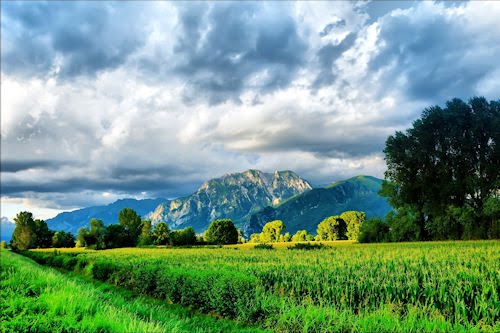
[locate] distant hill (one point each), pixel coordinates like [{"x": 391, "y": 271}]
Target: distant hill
[
  {"x": 72, "y": 221},
  {"x": 6, "y": 229},
  {"x": 235, "y": 196},
  {"x": 306, "y": 210}
]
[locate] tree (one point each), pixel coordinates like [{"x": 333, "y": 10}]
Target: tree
[
  {"x": 256, "y": 238},
  {"x": 272, "y": 230},
  {"x": 81, "y": 235},
  {"x": 146, "y": 236},
  {"x": 332, "y": 228},
  {"x": 185, "y": 236},
  {"x": 221, "y": 232},
  {"x": 302, "y": 236},
  {"x": 95, "y": 237},
  {"x": 115, "y": 236},
  {"x": 43, "y": 234},
  {"x": 354, "y": 220},
  {"x": 449, "y": 159},
  {"x": 132, "y": 224},
  {"x": 24, "y": 236},
  {"x": 373, "y": 230},
  {"x": 63, "y": 239},
  {"x": 161, "y": 234}
]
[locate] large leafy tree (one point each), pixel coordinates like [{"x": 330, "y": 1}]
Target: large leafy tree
[
  {"x": 24, "y": 236},
  {"x": 448, "y": 160},
  {"x": 332, "y": 228},
  {"x": 161, "y": 234},
  {"x": 63, "y": 239},
  {"x": 132, "y": 224},
  {"x": 43, "y": 234},
  {"x": 146, "y": 236},
  {"x": 354, "y": 220},
  {"x": 221, "y": 231},
  {"x": 272, "y": 230}
]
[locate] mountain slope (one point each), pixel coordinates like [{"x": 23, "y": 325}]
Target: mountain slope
[
  {"x": 306, "y": 210},
  {"x": 6, "y": 229},
  {"x": 72, "y": 221},
  {"x": 233, "y": 196}
]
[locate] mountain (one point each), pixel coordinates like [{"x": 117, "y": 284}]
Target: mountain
[
  {"x": 235, "y": 196},
  {"x": 72, "y": 221},
  {"x": 306, "y": 210},
  {"x": 6, "y": 229}
]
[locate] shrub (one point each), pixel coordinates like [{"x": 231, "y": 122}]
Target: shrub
[
  {"x": 263, "y": 247},
  {"x": 306, "y": 246}
]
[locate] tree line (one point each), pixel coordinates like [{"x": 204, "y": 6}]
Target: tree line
[
  {"x": 130, "y": 231},
  {"x": 346, "y": 226}
]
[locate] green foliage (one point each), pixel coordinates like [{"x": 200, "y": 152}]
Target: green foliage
[
  {"x": 115, "y": 236},
  {"x": 161, "y": 234},
  {"x": 41, "y": 299},
  {"x": 374, "y": 230},
  {"x": 272, "y": 230},
  {"x": 221, "y": 232},
  {"x": 302, "y": 236},
  {"x": 43, "y": 234},
  {"x": 354, "y": 220},
  {"x": 146, "y": 236},
  {"x": 332, "y": 228},
  {"x": 3, "y": 245},
  {"x": 306, "y": 246},
  {"x": 81, "y": 236},
  {"x": 445, "y": 168},
  {"x": 24, "y": 236},
  {"x": 132, "y": 225},
  {"x": 402, "y": 226},
  {"x": 263, "y": 246},
  {"x": 63, "y": 239},
  {"x": 185, "y": 236},
  {"x": 95, "y": 237}
]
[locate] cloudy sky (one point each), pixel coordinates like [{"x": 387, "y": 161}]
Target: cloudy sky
[{"x": 105, "y": 100}]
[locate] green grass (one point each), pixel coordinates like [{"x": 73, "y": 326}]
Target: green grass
[
  {"x": 41, "y": 299},
  {"x": 428, "y": 287}
]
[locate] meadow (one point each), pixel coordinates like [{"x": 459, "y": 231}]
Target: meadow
[{"x": 431, "y": 286}]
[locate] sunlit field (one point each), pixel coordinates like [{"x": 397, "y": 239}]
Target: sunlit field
[{"x": 432, "y": 286}]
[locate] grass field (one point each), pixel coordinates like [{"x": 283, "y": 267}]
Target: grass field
[
  {"x": 40, "y": 299},
  {"x": 433, "y": 286}
]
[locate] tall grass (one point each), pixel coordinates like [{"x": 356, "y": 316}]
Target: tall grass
[
  {"x": 436, "y": 286},
  {"x": 39, "y": 299}
]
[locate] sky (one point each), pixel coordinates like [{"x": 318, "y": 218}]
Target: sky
[{"x": 107, "y": 100}]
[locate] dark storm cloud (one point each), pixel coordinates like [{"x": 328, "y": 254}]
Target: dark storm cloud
[
  {"x": 21, "y": 165},
  {"x": 81, "y": 38},
  {"x": 225, "y": 45},
  {"x": 168, "y": 184}
]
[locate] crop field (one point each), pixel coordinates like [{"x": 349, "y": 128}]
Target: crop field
[
  {"x": 432, "y": 286},
  {"x": 41, "y": 299}
]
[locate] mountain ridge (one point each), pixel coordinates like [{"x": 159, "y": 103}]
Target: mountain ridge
[{"x": 250, "y": 198}]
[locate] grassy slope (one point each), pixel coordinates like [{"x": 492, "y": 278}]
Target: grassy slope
[{"x": 41, "y": 299}]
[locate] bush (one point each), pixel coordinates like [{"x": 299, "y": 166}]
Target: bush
[
  {"x": 306, "y": 246},
  {"x": 263, "y": 247}
]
